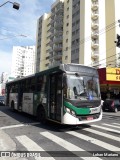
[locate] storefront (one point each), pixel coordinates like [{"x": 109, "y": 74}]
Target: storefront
[{"x": 109, "y": 82}]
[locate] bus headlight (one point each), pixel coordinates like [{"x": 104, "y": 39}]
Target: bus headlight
[
  {"x": 73, "y": 113},
  {"x": 70, "y": 111}
]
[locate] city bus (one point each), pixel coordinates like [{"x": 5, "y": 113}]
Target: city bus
[{"x": 67, "y": 94}]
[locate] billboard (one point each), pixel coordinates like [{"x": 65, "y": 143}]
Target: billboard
[{"x": 113, "y": 74}]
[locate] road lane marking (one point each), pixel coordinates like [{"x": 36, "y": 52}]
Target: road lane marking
[
  {"x": 19, "y": 125},
  {"x": 67, "y": 145},
  {"x": 105, "y": 128},
  {"x": 12, "y": 126},
  {"x": 30, "y": 145},
  {"x": 94, "y": 141},
  {"x": 102, "y": 134},
  {"x": 110, "y": 125},
  {"x": 116, "y": 124}
]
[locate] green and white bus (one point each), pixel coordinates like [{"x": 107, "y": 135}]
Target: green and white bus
[{"x": 67, "y": 94}]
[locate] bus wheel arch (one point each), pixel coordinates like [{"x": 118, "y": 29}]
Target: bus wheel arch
[{"x": 41, "y": 114}]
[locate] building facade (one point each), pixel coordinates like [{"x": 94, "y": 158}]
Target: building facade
[
  {"x": 78, "y": 31},
  {"x": 3, "y": 80},
  {"x": 23, "y": 61}
]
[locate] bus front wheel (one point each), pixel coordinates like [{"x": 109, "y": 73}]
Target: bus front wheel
[{"x": 41, "y": 116}]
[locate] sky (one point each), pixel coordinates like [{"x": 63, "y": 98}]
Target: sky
[{"x": 15, "y": 23}]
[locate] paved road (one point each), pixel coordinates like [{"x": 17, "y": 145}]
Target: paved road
[{"x": 21, "y": 132}]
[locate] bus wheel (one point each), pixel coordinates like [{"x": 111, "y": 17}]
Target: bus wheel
[
  {"x": 12, "y": 106},
  {"x": 41, "y": 116}
]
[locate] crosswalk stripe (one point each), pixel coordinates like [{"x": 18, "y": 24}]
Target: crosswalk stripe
[
  {"x": 67, "y": 145},
  {"x": 102, "y": 134},
  {"x": 105, "y": 128},
  {"x": 12, "y": 126},
  {"x": 19, "y": 125},
  {"x": 94, "y": 141},
  {"x": 116, "y": 124},
  {"x": 30, "y": 145},
  {"x": 110, "y": 125}
]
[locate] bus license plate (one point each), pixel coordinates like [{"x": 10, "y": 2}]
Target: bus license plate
[{"x": 89, "y": 118}]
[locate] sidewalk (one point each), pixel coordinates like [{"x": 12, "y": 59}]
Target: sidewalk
[{"x": 7, "y": 144}]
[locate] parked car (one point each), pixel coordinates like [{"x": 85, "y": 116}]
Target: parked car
[
  {"x": 111, "y": 105},
  {"x": 2, "y": 100}
]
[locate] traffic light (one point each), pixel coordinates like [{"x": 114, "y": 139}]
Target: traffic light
[{"x": 118, "y": 41}]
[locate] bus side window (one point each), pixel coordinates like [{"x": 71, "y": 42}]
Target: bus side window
[
  {"x": 39, "y": 83},
  {"x": 33, "y": 88}
]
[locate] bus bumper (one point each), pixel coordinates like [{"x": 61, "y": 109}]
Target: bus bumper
[{"x": 72, "y": 120}]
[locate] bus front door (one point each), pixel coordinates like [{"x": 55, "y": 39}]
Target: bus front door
[{"x": 55, "y": 96}]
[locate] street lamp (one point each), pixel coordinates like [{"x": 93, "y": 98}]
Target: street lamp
[{"x": 15, "y": 5}]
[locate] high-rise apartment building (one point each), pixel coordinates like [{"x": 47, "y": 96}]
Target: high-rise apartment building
[
  {"x": 23, "y": 61},
  {"x": 78, "y": 31},
  {"x": 4, "y": 77}
]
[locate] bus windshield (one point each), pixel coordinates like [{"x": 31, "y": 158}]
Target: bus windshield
[{"x": 82, "y": 87}]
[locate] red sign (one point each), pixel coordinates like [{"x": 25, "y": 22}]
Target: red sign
[{"x": 89, "y": 118}]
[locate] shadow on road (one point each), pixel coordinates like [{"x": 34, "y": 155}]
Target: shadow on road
[{"x": 24, "y": 118}]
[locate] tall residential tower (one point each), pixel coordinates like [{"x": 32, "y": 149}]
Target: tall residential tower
[
  {"x": 78, "y": 31},
  {"x": 23, "y": 61}
]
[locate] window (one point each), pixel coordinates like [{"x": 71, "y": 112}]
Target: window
[
  {"x": 66, "y": 57},
  {"x": 67, "y": 32},
  {"x": 67, "y": 16},
  {"x": 67, "y": 24}
]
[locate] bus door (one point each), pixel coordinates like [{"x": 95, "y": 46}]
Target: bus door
[
  {"x": 7, "y": 96},
  {"x": 20, "y": 95},
  {"x": 55, "y": 96}
]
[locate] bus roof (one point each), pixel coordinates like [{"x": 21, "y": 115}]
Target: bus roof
[{"x": 70, "y": 67}]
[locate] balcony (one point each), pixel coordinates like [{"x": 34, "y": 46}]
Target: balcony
[
  {"x": 95, "y": 1},
  {"x": 57, "y": 48},
  {"x": 94, "y": 16},
  {"x": 51, "y": 43},
  {"x": 58, "y": 25},
  {"x": 94, "y": 26},
  {"x": 51, "y": 36},
  {"x": 94, "y": 6},
  {"x": 50, "y": 50},
  {"x": 95, "y": 45},
  {"x": 52, "y": 16},
  {"x": 95, "y": 55},
  {"x": 96, "y": 64},
  {"x": 59, "y": 10},
  {"x": 58, "y": 32},
  {"x": 95, "y": 35},
  {"x": 58, "y": 40},
  {"x": 54, "y": 64},
  {"x": 58, "y": 56},
  {"x": 59, "y": 16},
  {"x": 52, "y": 29},
  {"x": 51, "y": 57}
]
